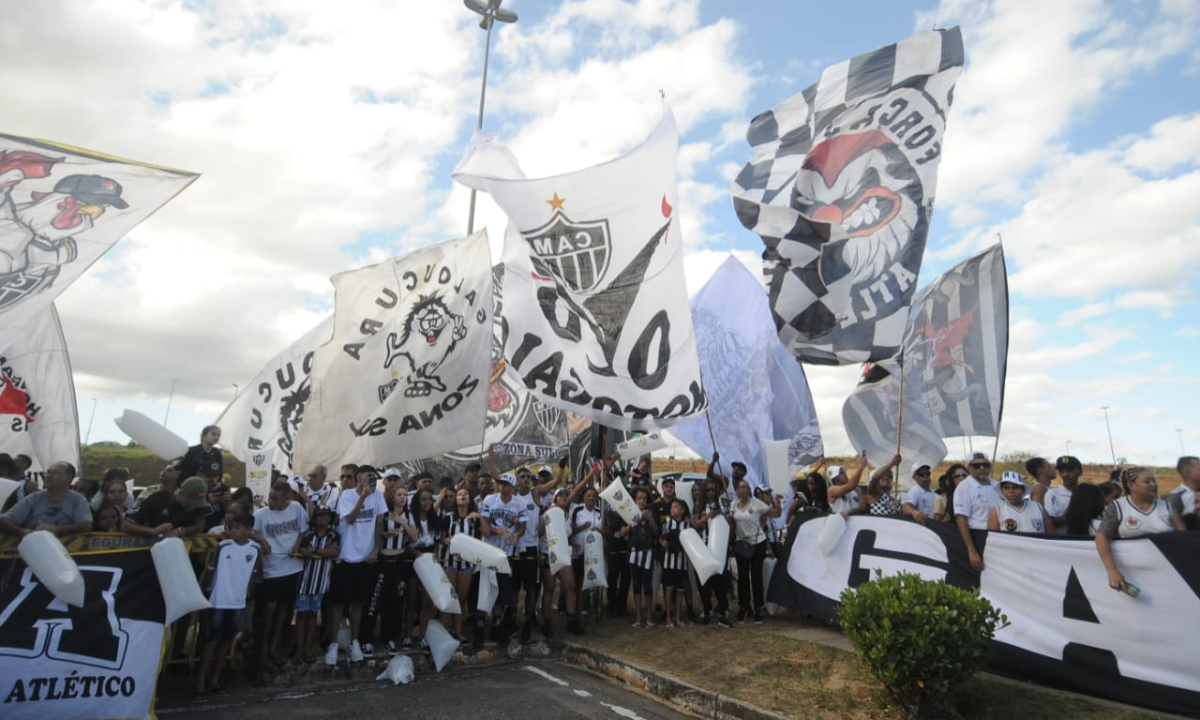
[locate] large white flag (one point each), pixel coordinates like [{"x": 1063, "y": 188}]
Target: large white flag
[
  {"x": 38, "y": 415},
  {"x": 596, "y": 303},
  {"x": 266, "y": 415},
  {"x": 61, "y": 208},
  {"x": 756, "y": 389},
  {"x": 406, "y": 373}
]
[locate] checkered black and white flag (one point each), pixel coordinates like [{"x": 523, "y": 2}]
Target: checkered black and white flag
[
  {"x": 841, "y": 191},
  {"x": 954, "y": 360}
]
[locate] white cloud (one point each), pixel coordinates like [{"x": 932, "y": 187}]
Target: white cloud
[{"x": 1172, "y": 142}]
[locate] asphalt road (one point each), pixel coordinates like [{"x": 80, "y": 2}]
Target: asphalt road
[{"x": 538, "y": 690}]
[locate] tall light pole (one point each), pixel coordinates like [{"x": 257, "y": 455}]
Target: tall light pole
[
  {"x": 1110, "y": 442},
  {"x": 491, "y": 12},
  {"x": 88, "y": 436},
  {"x": 1068, "y": 447},
  {"x": 170, "y": 397},
  {"x": 235, "y": 391},
  {"x": 1180, "y": 432}
]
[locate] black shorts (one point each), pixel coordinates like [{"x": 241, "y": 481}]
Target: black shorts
[
  {"x": 278, "y": 589},
  {"x": 351, "y": 582},
  {"x": 677, "y": 579},
  {"x": 642, "y": 580},
  {"x": 525, "y": 568}
]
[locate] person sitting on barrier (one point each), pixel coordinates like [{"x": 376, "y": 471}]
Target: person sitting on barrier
[
  {"x": 228, "y": 579},
  {"x": 1085, "y": 510},
  {"x": 943, "y": 504},
  {"x": 1015, "y": 513},
  {"x": 173, "y": 514},
  {"x": 1138, "y": 514},
  {"x": 108, "y": 518},
  {"x": 1183, "y": 498},
  {"x": 57, "y": 509},
  {"x": 973, "y": 500}
]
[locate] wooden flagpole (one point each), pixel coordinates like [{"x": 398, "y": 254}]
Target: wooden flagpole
[{"x": 713, "y": 437}]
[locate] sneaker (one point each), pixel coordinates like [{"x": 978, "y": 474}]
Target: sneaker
[
  {"x": 758, "y": 618},
  {"x": 331, "y": 655},
  {"x": 356, "y": 653},
  {"x": 705, "y": 619},
  {"x": 741, "y": 616},
  {"x": 547, "y": 629},
  {"x": 391, "y": 647},
  {"x": 636, "y": 626},
  {"x": 573, "y": 625},
  {"x": 724, "y": 621},
  {"x": 425, "y": 646},
  {"x": 368, "y": 650}
]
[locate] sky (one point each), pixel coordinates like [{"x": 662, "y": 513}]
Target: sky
[{"x": 325, "y": 134}]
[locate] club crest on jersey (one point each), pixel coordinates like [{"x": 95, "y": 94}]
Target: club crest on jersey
[{"x": 575, "y": 252}]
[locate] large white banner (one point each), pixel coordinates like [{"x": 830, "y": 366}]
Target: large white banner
[
  {"x": 405, "y": 375},
  {"x": 258, "y": 475},
  {"x": 756, "y": 389},
  {"x": 596, "y": 302},
  {"x": 266, "y": 415},
  {"x": 61, "y": 208},
  {"x": 38, "y": 414}
]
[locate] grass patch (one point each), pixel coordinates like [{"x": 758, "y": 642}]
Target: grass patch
[{"x": 799, "y": 679}]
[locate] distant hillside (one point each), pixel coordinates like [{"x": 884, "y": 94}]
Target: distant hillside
[{"x": 144, "y": 465}]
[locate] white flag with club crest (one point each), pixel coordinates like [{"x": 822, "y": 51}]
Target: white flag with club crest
[
  {"x": 596, "y": 302},
  {"x": 405, "y": 375}
]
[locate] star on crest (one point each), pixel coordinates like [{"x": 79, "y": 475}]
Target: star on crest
[{"x": 556, "y": 202}]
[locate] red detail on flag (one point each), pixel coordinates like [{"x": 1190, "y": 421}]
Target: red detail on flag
[
  {"x": 831, "y": 157},
  {"x": 539, "y": 277},
  {"x": 666, "y": 207},
  {"x": 31, "y": 164},
  {"x": 946, "y": 340},
  {"x": 14, "y": 401}
]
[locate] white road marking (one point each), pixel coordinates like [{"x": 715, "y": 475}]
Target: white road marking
[
  {"x": 583, "y": 693},
  {"x": 548, "y": 676},
  {"x": 623, "y": 712}
]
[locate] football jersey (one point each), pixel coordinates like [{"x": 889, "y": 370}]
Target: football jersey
[
  {"x": 974, "y": 501},
  {"x": 503, "y": 516},
  {"x": 1057, "y": 499},
  {"x": 1026, "y": 519},
  {"x": 232, "y": 567}
]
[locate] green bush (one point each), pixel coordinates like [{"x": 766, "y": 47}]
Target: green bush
[{"x": 920, "y": 638}]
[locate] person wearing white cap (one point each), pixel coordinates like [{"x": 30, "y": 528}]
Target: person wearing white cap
[
  {"x": 1015, "y": 513},
  {"x": 918, "y": 502},
  {"x": 502, "y": 520},
  {"x": 973, "y": 500},
  {"x": 843, "y": 489}
]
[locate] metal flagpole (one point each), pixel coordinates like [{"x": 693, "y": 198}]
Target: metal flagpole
[
  {"x": 713, "y": 437},
  {"x": 491, "y": 13}
]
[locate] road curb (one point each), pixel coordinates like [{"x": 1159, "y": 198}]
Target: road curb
[{"x": 668, "y": 688}]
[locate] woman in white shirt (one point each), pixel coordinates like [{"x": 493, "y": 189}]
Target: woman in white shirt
[
  {"x": 750, "y": 549},
  {"x": 1138, "y": 514}
]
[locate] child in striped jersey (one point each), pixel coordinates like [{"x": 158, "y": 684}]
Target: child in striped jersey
[
  {"x": 674, "y": 564},
  {"x": 643, "y": 536},
  {"x": 319, "y": 547}
]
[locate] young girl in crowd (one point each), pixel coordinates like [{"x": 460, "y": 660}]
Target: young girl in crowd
[
  {"x": 394, "y": 568},
  {"x": 108, "y": 519},
  {"x": 674, "y": 564},
  {"x": 462, "y": 517},
  {"x": 642, "y": 537},
  {"x": 423, "y": 532}
]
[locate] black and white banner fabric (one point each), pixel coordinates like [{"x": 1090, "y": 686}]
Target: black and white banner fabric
[
  {"x": 60, "y": 662},
  {"x": 841, "y": 191},
  {"x": 405, "y": 375},
  {"x": 1067, "y": 628},
  {"x": 954, "y": 360},
  {"x": 595, "y": 299}
]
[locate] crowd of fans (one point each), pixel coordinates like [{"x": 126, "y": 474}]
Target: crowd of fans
[{"x": 320, "y": 550}]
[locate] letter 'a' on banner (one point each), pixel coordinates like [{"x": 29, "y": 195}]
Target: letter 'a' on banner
[
  {"x": 841, "y": 190},
  {"x": 61, "y": 208},
  {"x": 595, "y": 296},
  {"x": 405, "y": 375}
]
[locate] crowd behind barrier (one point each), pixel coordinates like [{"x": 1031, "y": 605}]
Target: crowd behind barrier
[{"x": 331, "y": 570}]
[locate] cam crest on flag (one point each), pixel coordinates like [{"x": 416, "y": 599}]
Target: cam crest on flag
[
  {"x": 841, "y": 191},
  {"x": 597, "y": 322}
]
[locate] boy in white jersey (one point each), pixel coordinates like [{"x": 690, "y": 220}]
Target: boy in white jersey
[
  {"x": 229, "y": 574},
  {"x": 502, "y": 520},
  {"x": 1015, "y": 513}
]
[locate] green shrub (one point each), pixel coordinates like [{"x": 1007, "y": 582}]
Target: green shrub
[{"x": 920, "y": 638}]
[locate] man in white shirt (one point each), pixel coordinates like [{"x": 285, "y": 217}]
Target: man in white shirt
[
  {"x": 502, "y": 521},
  {"x": 918, "y": 503},
  {"x": 282, "y": 522},
  {"x": 1059, "y": 497},
  {"x": 973, "y": 500},
  {"x": 361, "y": 509}
]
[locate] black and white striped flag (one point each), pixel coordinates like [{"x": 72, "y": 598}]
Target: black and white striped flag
[
  {"x": 954, "y": 359},
  {"x": 841, "y": 190}
]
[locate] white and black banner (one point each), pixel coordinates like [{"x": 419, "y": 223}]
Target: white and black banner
[
  {"x": 405, "y": 375},
  {"x": 267, "y": 413},
  {"x": 596, "y": 302},
  {"x": 1067, "y": 628},
  {"x": 258, "y": 474},
  {"x": 60, "y": 662}
]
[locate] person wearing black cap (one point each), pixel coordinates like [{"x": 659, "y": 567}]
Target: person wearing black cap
[
  {"x": 1059, "y": 497},
  {"x": 179, "y": 512}
]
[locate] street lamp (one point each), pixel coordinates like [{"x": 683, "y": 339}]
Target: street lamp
[
  {"x": 88, "y": 436},
  {"x": 491, "y": 12},
  {"x": 235, "y": 391},
  {"x": 1110, "y": 442}
]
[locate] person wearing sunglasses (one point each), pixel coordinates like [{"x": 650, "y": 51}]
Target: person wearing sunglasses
[
  {"x": 974, "y": 499},
  {"x": 918, "y": 503}
]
